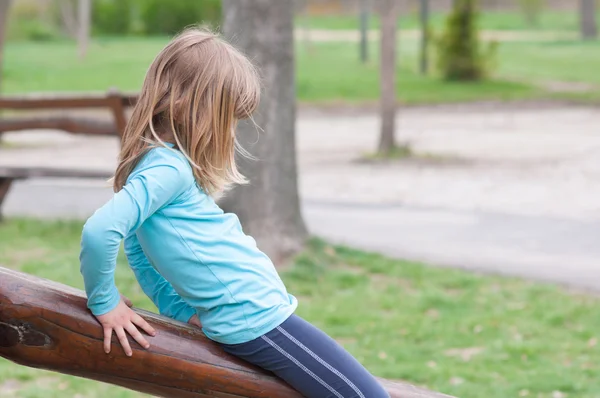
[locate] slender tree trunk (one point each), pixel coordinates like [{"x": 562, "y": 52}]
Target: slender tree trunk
[
  {"x": 268, "y": 207},
  {"x": 364, "y": 31},
  {"x": 306, "y": 39},
  {"x": 67, "y": 13},
  {"x": 83, "y": 34},
  {"x": 587, "y": 13},
  {"x": 4, "y": 7},
  {"x": 424, "y": 61},
  {"x": 388, "y": 13}
]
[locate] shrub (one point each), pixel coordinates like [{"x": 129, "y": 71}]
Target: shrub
[
  {"x": 30, "y": 20},
  {"x": 36, "y": 31},
  {"x": 112, "y": 17},
  {"x": 161, "y": 17},
  {"x": 460, "y": 56}
]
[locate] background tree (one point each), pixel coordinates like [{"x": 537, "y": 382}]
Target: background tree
[
  {"x": 424, "y": 49},
  {"x": 68, "y": 20},
  {"x": 587, "y": 19},
  {"x": 459, "y": 48},
  {"x": 84, "y": 13},
  {"x": 388, "y": 11},
  {"x": 268, "y": 207},
  {"x": 4, "y": 7},
  {"x": 364, "y": 30}
]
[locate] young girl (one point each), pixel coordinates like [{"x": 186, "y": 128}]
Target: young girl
[{"x": 190, "y": 258}]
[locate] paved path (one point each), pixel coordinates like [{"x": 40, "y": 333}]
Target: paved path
[
  {"x": 557, "y": 250},
  {"x": 512, "y": 191}
]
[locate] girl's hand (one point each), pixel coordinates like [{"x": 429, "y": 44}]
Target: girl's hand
[
  {"x": 122, "y": 319},
  {"x": 194, "y": 320},
  {"x": 127, "y": 301}
]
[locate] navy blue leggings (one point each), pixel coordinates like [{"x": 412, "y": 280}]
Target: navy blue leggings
[{"x": 310, "y": 361}]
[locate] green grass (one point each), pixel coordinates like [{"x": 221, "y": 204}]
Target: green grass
[
  {"x": 548, "y": 21},
  {"x": 320, "y": 78},
  {"x": 464, "y": 334},
  {"x": 329, "y": 73},
  {"x": 54, "y": 66},
  {"x": 398, "y": 152},
  {"x": 558, "y": 61}
]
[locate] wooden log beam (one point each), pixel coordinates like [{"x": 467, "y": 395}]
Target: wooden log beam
[{"x": 46, "y": 325}]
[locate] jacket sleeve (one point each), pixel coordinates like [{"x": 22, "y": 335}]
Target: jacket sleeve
[{"x": 145, "y": 193}]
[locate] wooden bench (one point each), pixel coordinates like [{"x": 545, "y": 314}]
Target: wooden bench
[{"x": 114, "y": 101}]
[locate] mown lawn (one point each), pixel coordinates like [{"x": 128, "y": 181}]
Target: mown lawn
[
  {"x": 326, "y": 73},
  {"x": 464, "y": 334},
  {"x": 548, "y": 20},
  {"x": 566, "y": 61},
  {"x": 330, "y": 72}
]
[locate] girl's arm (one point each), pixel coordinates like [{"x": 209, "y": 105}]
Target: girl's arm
[
  {"x": 146, "y": 192},
  {"x": 157, "y": 288},
  {"x": 151, "y": 187}
]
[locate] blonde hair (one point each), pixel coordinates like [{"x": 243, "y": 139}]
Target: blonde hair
[{"x": 198, "y": 87}]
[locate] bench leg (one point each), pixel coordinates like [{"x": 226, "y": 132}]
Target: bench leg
[{"x": 5, "y": 184}]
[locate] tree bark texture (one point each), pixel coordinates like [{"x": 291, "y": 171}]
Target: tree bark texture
[
  {"x": 83, "y": 34},
  {"x": 4, "y": 7},
  {"x": 388, "y": 12},
  {"x": 424, "y": 49},
  {"x": 588, "y": 24},
  {"x": 268, "y": 207},
  {"x": 69, "y": 22},
  {"x": 364, "y": 31},
  {"x": 46, "y": 325}
]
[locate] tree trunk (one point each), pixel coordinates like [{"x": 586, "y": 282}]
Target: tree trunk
[
  {"x": 364, "y": 31},
  {"x": 67, "y": 14},
  {"x": 424, "y": 58},
  {"x": 588, "y": 25},
  {"x": 388, "y": 75},
  {"x": 305, "y": 19},
  {"x": 4, "y": 7},
  {"x": 268, "y": 207},
  {"x": 83, "y": 34},
  {"x": 46, "y": 325}
]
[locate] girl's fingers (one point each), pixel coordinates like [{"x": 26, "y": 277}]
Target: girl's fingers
[
  {"x": 123, "y": 340},
  {"x": 137, "y": 336},
  {"x": 107, "y": 338},
  {"x": 141, "y": 322}
]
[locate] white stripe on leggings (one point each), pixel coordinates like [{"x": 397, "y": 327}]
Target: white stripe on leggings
[
  {"x": 321, "y": 361},
  {"x": 304, "y": 368}
]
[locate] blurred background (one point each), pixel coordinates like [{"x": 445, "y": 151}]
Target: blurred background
[{"x": 448, "y": 175}]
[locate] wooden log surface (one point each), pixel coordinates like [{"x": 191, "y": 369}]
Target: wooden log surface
[{"x": 46, "y": 325}]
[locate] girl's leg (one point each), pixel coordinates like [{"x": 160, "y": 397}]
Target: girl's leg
[{"x": 310, "y": 361}]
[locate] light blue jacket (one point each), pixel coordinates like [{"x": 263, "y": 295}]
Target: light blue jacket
[{"x": 188, "y": 256}]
